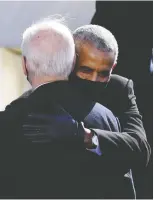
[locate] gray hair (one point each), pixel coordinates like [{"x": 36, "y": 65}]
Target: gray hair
[
  {"x": 49, "y": 48},
  {"x": 99, "y": 36}
]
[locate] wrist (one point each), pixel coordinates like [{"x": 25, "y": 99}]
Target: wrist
[{"x": 88, "y": 139}]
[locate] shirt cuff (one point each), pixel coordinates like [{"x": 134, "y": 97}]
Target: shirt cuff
[{"x": 97, "y": 150}]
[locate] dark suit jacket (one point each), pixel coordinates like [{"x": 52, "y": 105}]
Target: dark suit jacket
[
  {"x": 120, "y": 98},
  {"x": 128, "y": 148},
  {"x": 42, "y": 149}
]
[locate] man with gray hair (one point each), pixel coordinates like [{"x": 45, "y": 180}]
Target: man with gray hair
[
  {"x": 42, "y": 40},
  {"x": 51, "y": 155},
  {"x": 97, "y": 53}
]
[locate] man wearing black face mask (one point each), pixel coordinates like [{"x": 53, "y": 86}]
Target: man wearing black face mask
[
  {"x": 97, "y": 53},
  {"x": 92, "y": 89}
]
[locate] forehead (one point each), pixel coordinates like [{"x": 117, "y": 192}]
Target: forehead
[{"x": 90, "y": 54}]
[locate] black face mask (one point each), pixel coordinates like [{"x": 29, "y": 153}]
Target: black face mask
[{"x": 93, "y": 90}]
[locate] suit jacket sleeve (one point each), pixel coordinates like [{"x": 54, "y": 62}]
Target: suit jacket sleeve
[{"x": 129, "y": 148}]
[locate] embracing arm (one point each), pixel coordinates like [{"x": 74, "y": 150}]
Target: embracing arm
[{"x": 128, "y": 148}]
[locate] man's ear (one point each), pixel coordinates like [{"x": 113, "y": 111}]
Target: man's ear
[
  {"x": 114, "y": 65},
  {"x": 24, "y": 64}
]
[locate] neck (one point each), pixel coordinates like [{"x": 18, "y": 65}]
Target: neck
[{"x": 37, "y": 81}]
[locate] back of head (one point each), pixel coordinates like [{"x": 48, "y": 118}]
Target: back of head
[
  {"x": 98, "y": 36},
  {"x": 48, "y": 48}
]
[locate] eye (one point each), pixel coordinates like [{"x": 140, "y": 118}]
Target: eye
[
  {"x": 85, "y": 69},
  {"x": 104, "y": 73}
]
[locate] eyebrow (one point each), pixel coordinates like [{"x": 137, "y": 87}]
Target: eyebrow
[{"x": 86, "y": 68}]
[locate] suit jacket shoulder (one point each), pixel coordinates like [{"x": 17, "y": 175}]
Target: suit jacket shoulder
[
  {"x": 118, "y": 81},
  {"x": 116, "y": 96}
]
